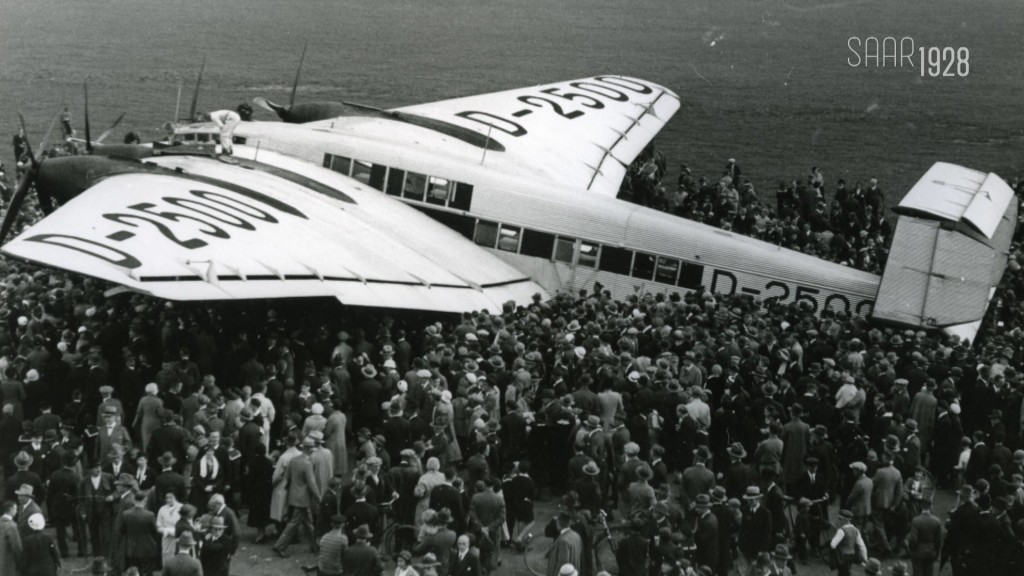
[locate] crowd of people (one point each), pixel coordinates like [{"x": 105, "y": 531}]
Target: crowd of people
[
  {"x": 714, "y": 433},
  {"x": 850, "y": 228}
]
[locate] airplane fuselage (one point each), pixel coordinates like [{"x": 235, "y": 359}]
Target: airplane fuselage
[{"x": 567, "y": 239}]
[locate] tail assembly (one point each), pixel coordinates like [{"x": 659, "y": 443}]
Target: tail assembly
[{"x": 949, "y": 251}]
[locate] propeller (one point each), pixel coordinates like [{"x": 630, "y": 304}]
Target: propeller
[
  {"x": 195, "y": 95},
  {"x": 298, "y": 73},
  {"x": 88, "y": 135},
  {"x": 27, "y": 180}
]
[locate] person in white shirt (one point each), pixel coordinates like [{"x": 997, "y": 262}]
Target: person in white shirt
[{"x": 226, "y": 120}]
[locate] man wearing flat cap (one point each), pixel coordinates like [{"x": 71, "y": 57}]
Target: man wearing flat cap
[{"x": 110, "y": 432}]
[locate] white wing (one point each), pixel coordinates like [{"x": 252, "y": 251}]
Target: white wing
[{"x": 257, "y": 235}]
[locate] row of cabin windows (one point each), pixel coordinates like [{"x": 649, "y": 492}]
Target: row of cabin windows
[
  {"x": 403, "y": 184},
  {"x": 568, "y": 250}
]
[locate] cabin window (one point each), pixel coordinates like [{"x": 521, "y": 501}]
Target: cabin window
[
  {"x": 537, "y": 244},
  {"x": 508, "y": 240},
  {"x": 564, "y": 249},
  {"x": 415, "y": 186},
  {"x": 341, "y": 164},
  {"x": 486, "y": 234},
  {"x": 378, "y": 174},
  {"x": 690, "y": 276},
  {"x": 361, "y": 171},
  {"x": 666, "y": 270},
  {"x": 462, "y": 224},
  {"x": 615, "y": 260},
  {"x": 438, "y": 190},
  {"x": 588, "y": 255},
  {"x": 643, "y": 266},
  {"x": 396, "y": 179},
  {"x": 462, "y": 198}
]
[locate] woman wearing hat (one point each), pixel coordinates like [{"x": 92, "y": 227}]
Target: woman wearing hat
[
  {"x": 403, "y": 564},
  {"x": 39, "y": 556}
]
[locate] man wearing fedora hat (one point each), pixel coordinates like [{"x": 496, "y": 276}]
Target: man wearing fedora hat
[
  {"x": 26, "y": 508},
  {"x": 756, "y": 531},
  {"x": 169, "y": 480},
  {"x": 697, "y": 479},
  {"x": 184, "y": 563},
  {"x": 360, "y": 559},
  {"x": 24, "y": 475},
  {"x": 217, "y": 548},
  {"x": 706, "y": 537}
]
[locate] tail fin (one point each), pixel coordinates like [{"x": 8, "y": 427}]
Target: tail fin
[
  {"x": 298, "y": 72},
  {"x": 949, "y": 251}
]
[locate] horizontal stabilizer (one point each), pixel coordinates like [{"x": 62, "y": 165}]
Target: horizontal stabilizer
[{"x": 947, "y": 259}]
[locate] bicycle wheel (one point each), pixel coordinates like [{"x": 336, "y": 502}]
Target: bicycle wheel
[
  {"x": 388, "y": 546},
  {"x": 604, "y": 556},
  {"x": 535, "y": 554}
]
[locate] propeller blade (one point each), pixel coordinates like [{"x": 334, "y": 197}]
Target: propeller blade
[
  {"x": 28, "y": 146},
  {"x": 108, "y": 131},
  {"x": 298, "y": 72},
  {"x": 49, "y": 130},
  {"x": 17, "y": 200},
  {"x": 88, "y": 134},
  {"x": 195, "y": 95}
]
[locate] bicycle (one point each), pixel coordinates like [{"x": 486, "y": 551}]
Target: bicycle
[
  {"x": 394, "y": 532},
  {"x": 819, "y": 537},
  {"x": 606, "y": 545},
  {"x": 535, "y": 561}
]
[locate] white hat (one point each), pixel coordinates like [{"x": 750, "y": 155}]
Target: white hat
[
  {"x": 22, "y": 321},
  {"x": 403, "y": 386},
  {"x": 471, "y": 377},
  {"x": 36, "y": 521},
  {"x": 62, "y": 346},
  {"x": 424, "y": 373},
  {"x": 567, "y": 570},
  {"x": 317, "y": 408},
  {"x": 32, "y": 375},
  {"x": 446, "y": 396}
]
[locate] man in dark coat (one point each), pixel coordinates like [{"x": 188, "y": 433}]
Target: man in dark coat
[
  {"x": 360, "y": 559},
  {"x": 94, "y": 496},
  {"x": 706, "y": 536},
  {"x": 466, "y": 560},
  {"x": 183, "y": 563},
  {"x": 958, "y": 548},
  {"x": 61, "y": 503},
  {"x": 168, "y": 480},
  {"x": 217, "y": 549},
  {"x": 756, "y": 530},
  {"x": 139, "y": 537},
  {"x": 447, "y": 496},
  {"x": 397, "y": 432},
  {"x": 924, "y": 540},
  {"x": 633, "y": 555},
  {"x": 167, "y": 438}
]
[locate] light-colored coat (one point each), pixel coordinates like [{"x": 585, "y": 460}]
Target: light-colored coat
[
  {"x": 279, "y": 498},
  {"x": 10, "y": 547},
  {"x": 334, "y": 440}
]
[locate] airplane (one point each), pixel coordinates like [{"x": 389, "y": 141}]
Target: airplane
[
  {"x": 182, "y": 222},
  {"x": 532, "y": 174}
]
